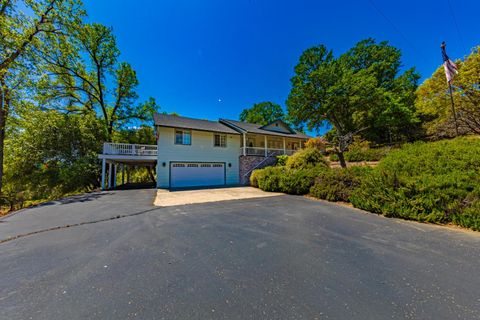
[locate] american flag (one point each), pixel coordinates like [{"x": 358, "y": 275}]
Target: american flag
[{"x": 450, "y": 68}]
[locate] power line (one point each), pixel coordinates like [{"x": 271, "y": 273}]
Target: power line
[
  {"x": 391, "y": 23},
  {"x": 456, "y": 24}
]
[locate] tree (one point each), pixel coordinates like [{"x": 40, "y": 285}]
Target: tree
[
  {"x": 21, "y": 38},
  {"x": 86, "y": 76},
  {"x": 433, "y": 101},
  {"x": 395, "y": 119},
  {"x": 144, "y": 134},
  {"x": 262, "y": 113},
  {"x": 358, "y": 93},
  {"x": 52, "y": 153}
]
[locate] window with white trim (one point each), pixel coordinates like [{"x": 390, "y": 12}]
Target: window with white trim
[
  {"x": 183, "y": 137},
  {"x": 220, "y": 140}
]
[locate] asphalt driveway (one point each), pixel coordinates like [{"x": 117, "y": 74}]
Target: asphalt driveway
[{"x": 282, "y": 257}]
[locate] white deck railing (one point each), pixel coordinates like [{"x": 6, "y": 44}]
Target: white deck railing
[
  {"x": 255, "y": 151},
  {"x": 129, "y": 149}
]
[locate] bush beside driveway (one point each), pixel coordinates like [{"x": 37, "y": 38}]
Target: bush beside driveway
[{"x": 435, "y": 182}]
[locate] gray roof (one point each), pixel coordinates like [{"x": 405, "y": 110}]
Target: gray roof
[
  {"x": 257, "y": 128},
  {"x": 167, "y": 120}
]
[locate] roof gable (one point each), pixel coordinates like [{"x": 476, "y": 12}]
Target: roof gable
[
  {"x": 278, "y": 126},
  {"x": 245, "y": 127}
]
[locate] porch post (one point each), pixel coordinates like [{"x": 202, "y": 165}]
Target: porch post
[
  {"x": 284, "y": 148},
  {"x": 123, "y": 173},
  {"x": 115, "y": 176},
  {"x": 109, "y": 175},
  {"x": 244, "y": 144},
  {"x": 266, "y": 149},
  {"x": 104, "y": 167}
]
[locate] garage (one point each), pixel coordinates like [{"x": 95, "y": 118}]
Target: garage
[{"x": 196, "y": 174}]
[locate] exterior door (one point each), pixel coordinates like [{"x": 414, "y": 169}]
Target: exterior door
[{"x": 196, "y": 174}]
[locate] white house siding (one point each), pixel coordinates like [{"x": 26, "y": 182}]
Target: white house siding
[{"x": 200, "y": 150}]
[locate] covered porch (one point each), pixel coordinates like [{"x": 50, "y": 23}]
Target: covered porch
[
  {"x": 118, "y": 157},
  {"x": 269, "y": 145}
]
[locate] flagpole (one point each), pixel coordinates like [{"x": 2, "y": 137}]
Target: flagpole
[
  {"x": 453, "y": 108},
  {"x": 449, "y": 80}
]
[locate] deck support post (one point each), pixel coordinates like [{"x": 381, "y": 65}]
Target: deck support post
[
  {"x": 123, "y": 173},
  {"x": 115, "y": 176},
  {"x": 104, "y": 167},
  {"x": 109, "y": 175},
  {"x": 266, "y": 148}
]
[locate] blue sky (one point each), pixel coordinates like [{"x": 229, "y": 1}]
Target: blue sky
[{"x": 211, "y": 59}]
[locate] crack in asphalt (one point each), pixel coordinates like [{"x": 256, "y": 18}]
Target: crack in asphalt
[{"x": 23, "y": 235}]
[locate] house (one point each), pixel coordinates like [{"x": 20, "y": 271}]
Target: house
[{"x": 195, "y": 152}]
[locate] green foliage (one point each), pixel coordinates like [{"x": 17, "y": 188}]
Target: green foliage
[
  {"x": 268, "y": 179},
  {"x": 433, "y": 100},
  {"x": 294, "y": 174},
  {"x": 317, "y": 143},
  {"x": 296, "y": 177},
  {"x": 282, "y": 160},
  {"x": 24, "y": 29},
  {"x": 84, "y": 75},
  {"x": 299, "y": 181},
  {"x": 434, "y": 182},
  {"x": 361, "y": 151},
  {"x": 263, "y": 113},
  {"x": 306, "y": 158},
  {"x": 282, "y": 179},
  {"x": 53, "y": 154},
  {"x": 254, "y": 176},
  {"x": 360, "y": 92},
  {"x": 142, "y": 135},
  {"x": 338, "y": 184},
  {"x": 470, "y": 217}
]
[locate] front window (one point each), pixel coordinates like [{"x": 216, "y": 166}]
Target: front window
[
  {"x": 183, "y": 137},
  {"x": 220, "y": 140}
]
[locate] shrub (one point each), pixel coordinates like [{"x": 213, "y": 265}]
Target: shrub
[
  {"x": 316, "y": 143},
  {"x": 282, "y": 160},
  {"x": 299, "y": 181},
  {"x": 374, "y": 154},
  {"x": 470, "y": 217},
  {"x": 256, "y": 174},
  {"x": 281, "y": 179},
  {"x": 355, "y": 154},
  {"x": 435, "y": 182},
  {"x": 306, "y": 158},
  {"x": 338, "y": 184},
  {"x": 296, "y": 177},
  {"x": 268, "y": 179}
]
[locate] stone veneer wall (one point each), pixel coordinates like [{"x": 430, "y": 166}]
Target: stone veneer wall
[{"x": 247, "y": 163}]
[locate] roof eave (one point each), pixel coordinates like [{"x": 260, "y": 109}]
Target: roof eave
[
  {"x": 233, "y": 126},
  {"x": 196, "y": 129}
]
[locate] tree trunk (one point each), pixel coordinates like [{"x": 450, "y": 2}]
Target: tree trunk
[
  {"x": 4, "y": 106},
  {"x": 2, "y": 145},
  {"x": 341, "y": 158},
  {"x": 151, "y": 174}
]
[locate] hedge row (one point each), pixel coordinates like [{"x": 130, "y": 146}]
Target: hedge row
[
  {"x": 356, "y": 155},
  {"x": 434, "y": 182}
]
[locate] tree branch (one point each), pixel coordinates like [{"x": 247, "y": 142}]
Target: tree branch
[{"x": 36, "y": 30}]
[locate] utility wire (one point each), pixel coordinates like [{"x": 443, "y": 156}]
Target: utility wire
[
  {"x": 392, "y": 24},
  {"x": 456, "y": 24}
]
